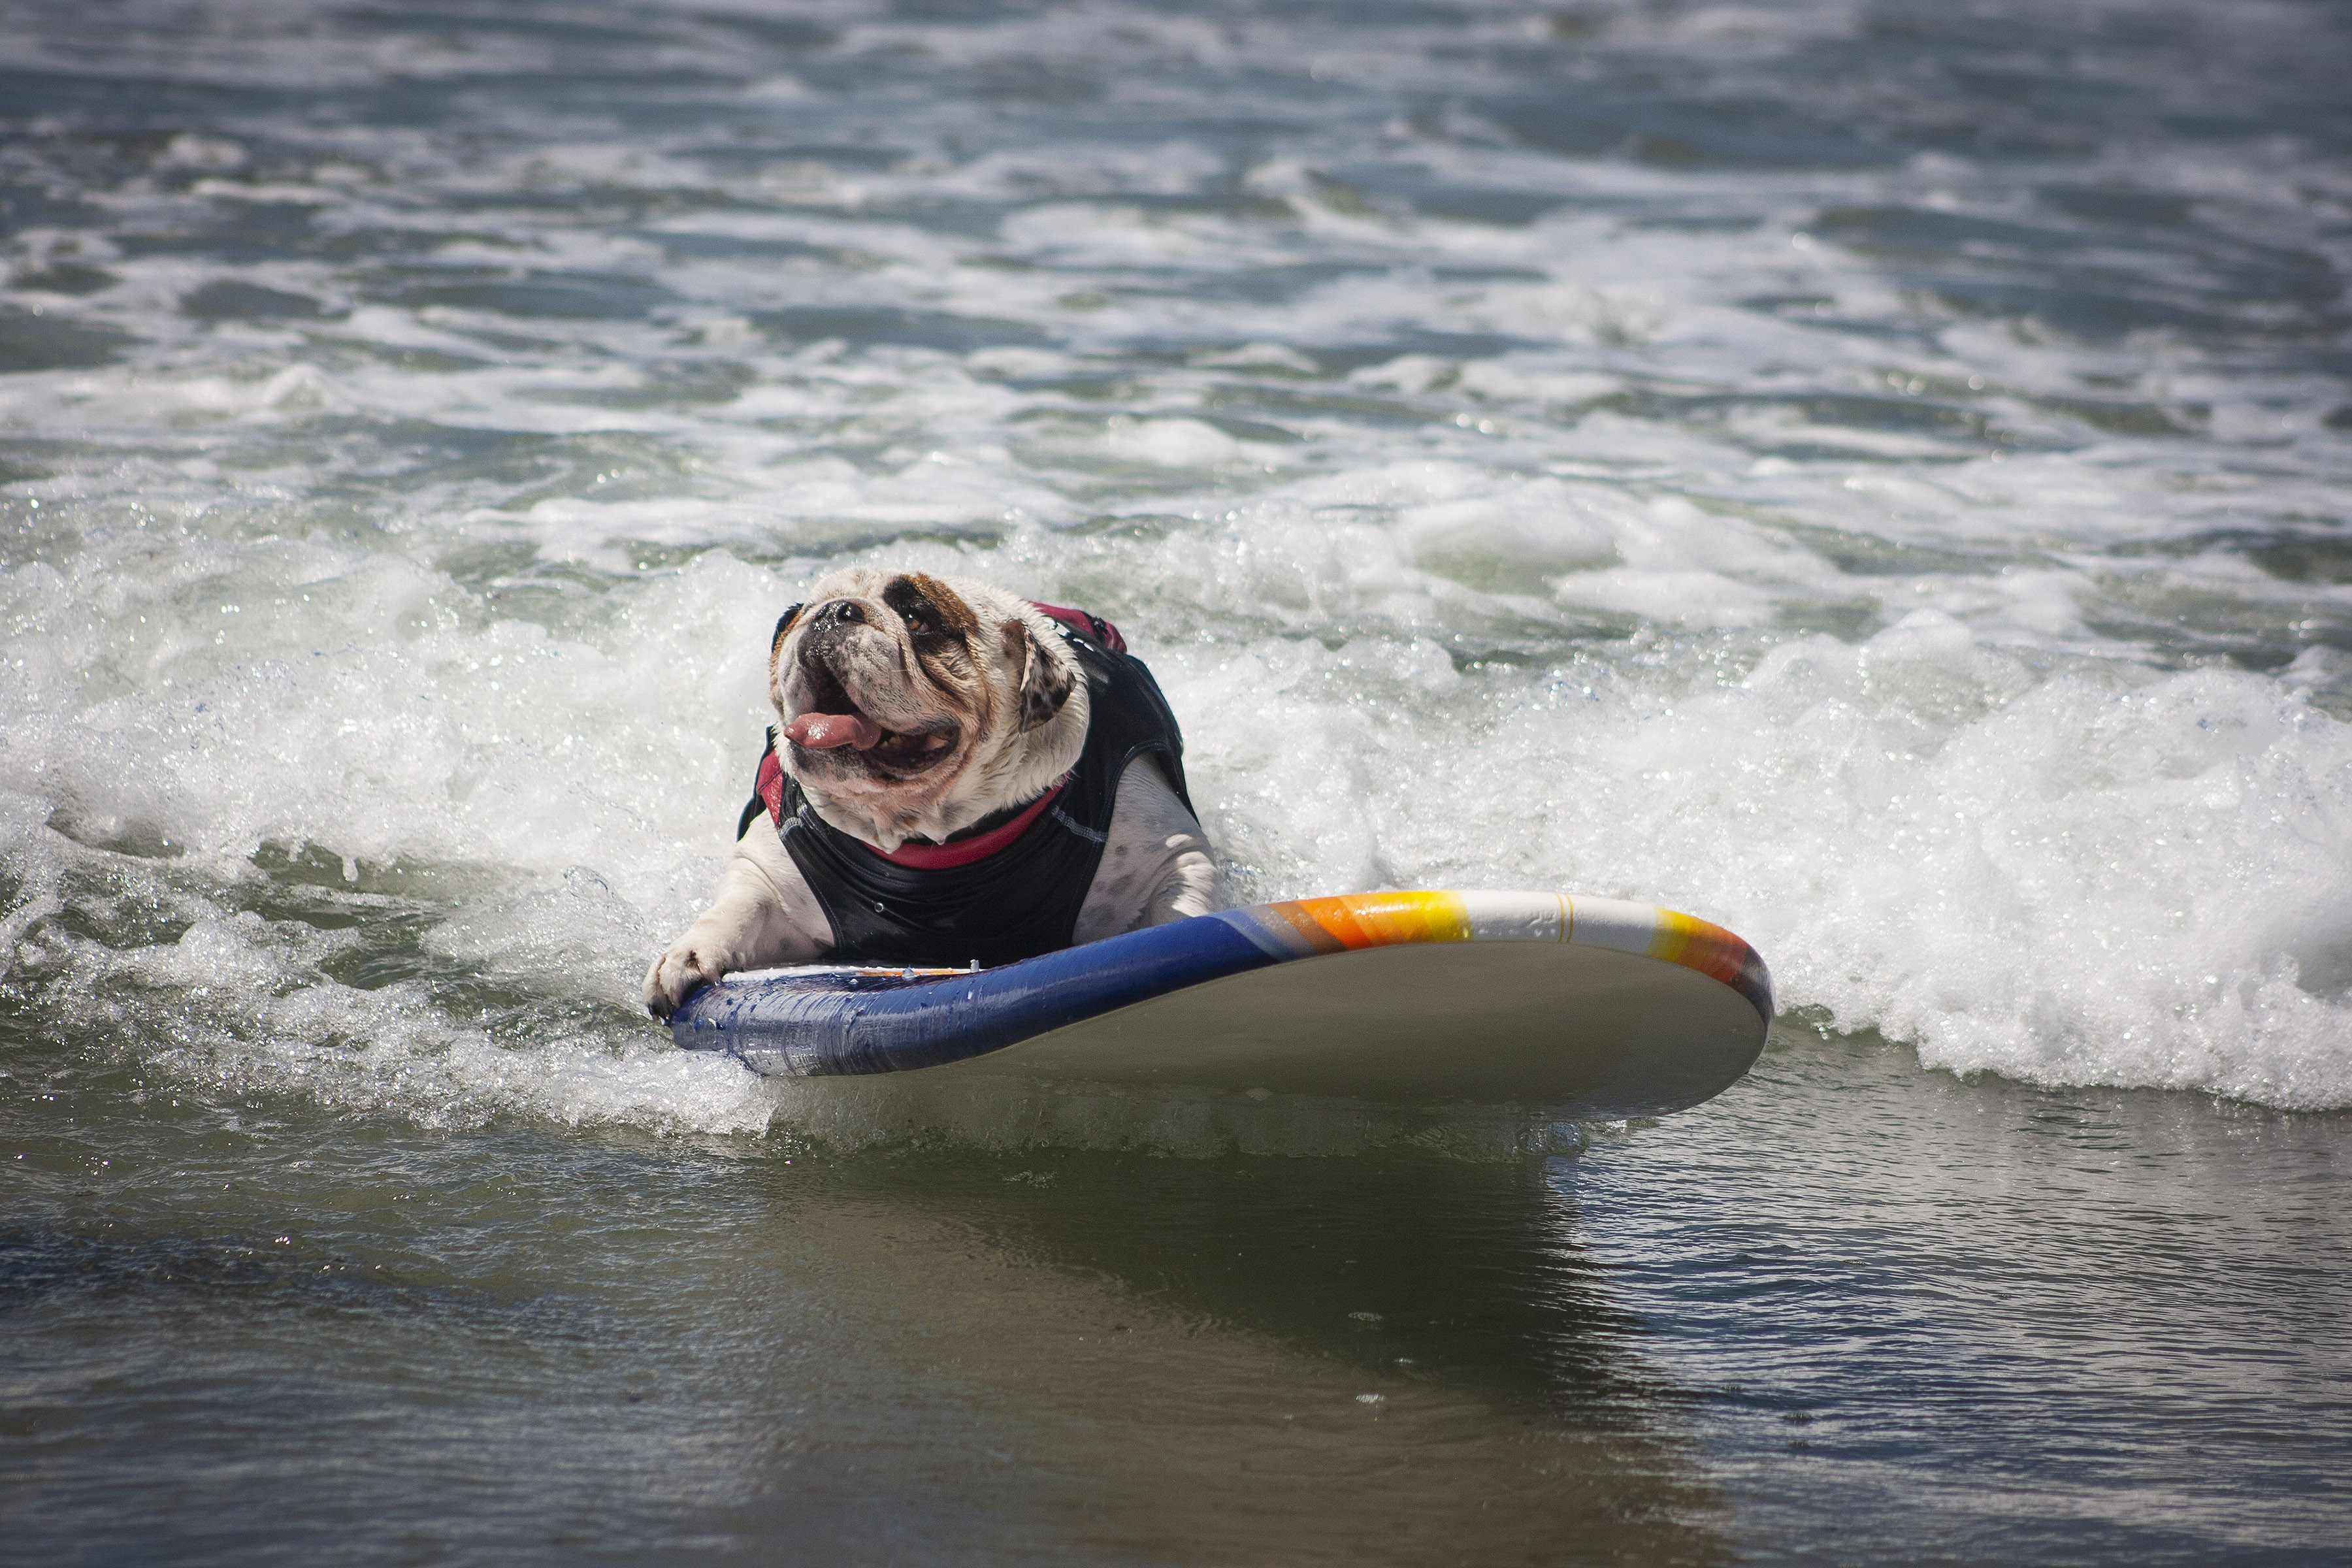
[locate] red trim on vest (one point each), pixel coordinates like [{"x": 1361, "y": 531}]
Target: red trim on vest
[
  {"x": 964, "y": 851},
  {"x": 920, "y": 857},
  {"x": 770, "y": 788},
  {"x": 1083, "y": 624}
]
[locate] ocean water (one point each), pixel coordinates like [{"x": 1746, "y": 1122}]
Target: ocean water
[{"x": 1871, "y": 474}]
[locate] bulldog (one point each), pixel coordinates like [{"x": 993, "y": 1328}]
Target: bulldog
[{"x": 956, "y": 775}]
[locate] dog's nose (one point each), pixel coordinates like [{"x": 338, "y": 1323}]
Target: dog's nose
[{"x": 841, "y": 612}]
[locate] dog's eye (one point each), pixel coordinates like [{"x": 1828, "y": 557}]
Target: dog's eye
[{"x": 921, "y": 622}]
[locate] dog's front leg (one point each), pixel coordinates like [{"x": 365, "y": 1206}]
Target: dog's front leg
[
  {"x": 1156, "y": 866},
  {"x": 763, "y": 915}
]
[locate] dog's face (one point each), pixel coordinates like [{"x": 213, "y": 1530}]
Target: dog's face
[{"x": 917, "y": 705}]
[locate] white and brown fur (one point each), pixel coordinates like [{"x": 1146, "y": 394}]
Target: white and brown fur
[{"x": 982, "y": 707}]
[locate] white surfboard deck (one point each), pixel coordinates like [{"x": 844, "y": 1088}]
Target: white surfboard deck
[{"x": 1501, "y": 1022}]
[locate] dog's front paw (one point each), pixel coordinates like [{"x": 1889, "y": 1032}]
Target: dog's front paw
[{"x": 674, "y": 977}]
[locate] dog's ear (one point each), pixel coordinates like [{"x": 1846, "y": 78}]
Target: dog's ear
[
  {"x": 783, "y": 624},
  {"x": 1045, "y": 684}
]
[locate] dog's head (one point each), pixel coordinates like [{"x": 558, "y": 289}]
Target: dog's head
[{"x": 917, "y": 705}]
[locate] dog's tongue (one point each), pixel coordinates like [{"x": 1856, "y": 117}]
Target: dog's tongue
[{"x": 823, "y": 731}]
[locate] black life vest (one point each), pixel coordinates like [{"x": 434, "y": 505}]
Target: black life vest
[{"x": 1020, "y": 895}]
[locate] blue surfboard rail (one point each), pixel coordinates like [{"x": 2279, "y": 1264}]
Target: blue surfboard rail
[{"x": 837, "y": 1020}]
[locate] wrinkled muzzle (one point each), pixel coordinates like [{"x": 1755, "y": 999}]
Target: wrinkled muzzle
[{"x": 855, "y": 708}]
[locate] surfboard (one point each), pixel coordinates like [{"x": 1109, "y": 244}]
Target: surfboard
[{"x": 1592, "y": 1007}]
